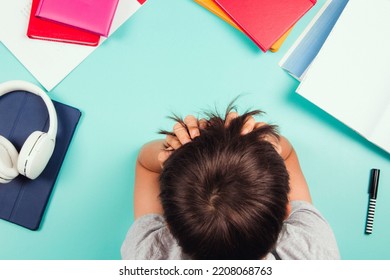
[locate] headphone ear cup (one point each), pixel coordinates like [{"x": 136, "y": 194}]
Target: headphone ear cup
[
  {"x": 35, "y": 154},
  {"x": 8, "y": 161}
]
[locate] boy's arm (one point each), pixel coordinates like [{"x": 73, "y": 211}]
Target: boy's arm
[
  {"x": 299, "y": 190},
  {"x": 146, "y": 185},
  {"x": 149, "y": 166}
]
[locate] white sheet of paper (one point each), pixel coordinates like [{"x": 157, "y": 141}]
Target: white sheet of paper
[
  {"x": 349, "y": 78},
  {"x": 48, "y": 62}
]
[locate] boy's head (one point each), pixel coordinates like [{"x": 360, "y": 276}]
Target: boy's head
[{"x": 224, "y": 194}]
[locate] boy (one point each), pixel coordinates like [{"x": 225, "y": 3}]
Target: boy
[{"x": 224, "y": 188}]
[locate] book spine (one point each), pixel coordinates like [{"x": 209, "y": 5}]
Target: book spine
[{"x": 37, "y": 12}]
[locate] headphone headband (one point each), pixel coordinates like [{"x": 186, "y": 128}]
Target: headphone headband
[{"x": 18, "y": 85}]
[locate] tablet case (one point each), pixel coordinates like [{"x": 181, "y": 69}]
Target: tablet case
[
  {"x": 93, "y": 15},
  {"x": 23, "y": 201},
  {"x": 265, "y": 21},
  {"x": 49, "y": 30}
]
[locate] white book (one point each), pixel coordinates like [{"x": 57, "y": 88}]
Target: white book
[
  {"x": 48, "y": 62},
  {"x": 350, "y": 77}
]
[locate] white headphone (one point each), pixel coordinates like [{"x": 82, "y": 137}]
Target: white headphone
[{"x": 39, "y": 146}]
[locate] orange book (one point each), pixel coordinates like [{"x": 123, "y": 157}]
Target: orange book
[{"x": 215, "y": 9}]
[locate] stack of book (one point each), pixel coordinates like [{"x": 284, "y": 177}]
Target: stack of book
[
  {"x": 71, "y": 21},
  {"x": 266, "y": 22},
  {"x": 50, "y": 62},
  {"x": 337, "y": 71}
]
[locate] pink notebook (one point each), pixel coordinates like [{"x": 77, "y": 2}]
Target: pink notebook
[
  {"x": 42, "y": 29},
  {"x": 92, "y": 15},
  {"x": 265, "y": 21}
]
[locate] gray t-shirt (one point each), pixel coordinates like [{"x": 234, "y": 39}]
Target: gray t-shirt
[{"x": 305, "y": 235}]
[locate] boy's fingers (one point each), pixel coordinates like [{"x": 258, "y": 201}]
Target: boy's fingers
[
  {"x": 230, "y": 117},
  {"x": 275, "y": 142},
  {"x": 249, "y": 125},
  {"x": 259, "y": 124},
  {"x": 181, "y": 133},
  {"x": 173, "y": 142},
  {"x": 163, "y": 156},
  {"x": 202, "y": 123},
  {"x": 192, "y": 126},
  {"x": 270, "y": 138}
]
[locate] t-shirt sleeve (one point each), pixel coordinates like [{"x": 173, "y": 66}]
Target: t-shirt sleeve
[
  {"x": 149, "y": 239},
  {"x": 306, "y": 235}
]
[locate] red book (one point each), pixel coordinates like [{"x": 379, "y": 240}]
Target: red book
[
  {"x": 49, "y": 30},
  {"x": 265, "y": 21}
]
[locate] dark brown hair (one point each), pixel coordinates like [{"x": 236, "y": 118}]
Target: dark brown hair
[{"x": 224, "y": 194}]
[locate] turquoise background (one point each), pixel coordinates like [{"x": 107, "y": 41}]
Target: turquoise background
[{"x": 174, "y": 56}]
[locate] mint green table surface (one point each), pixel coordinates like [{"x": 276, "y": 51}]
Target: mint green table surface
[{"x": 174, "y": 56}]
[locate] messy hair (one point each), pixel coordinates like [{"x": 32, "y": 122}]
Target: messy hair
[{"x": 224, "y": 194}]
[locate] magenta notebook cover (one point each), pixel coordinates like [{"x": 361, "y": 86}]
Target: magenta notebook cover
[{"x": 93, "y": 15}]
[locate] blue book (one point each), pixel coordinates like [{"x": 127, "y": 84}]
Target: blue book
[
  {"x": 23, "y": 201},
  {"x": 305, "y": 49}
]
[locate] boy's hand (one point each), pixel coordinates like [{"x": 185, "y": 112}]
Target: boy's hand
[
  {"x": 275, "y": 141},
  {"x": 183, "y": 133},
  {"x": 251, "y": 124}
]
